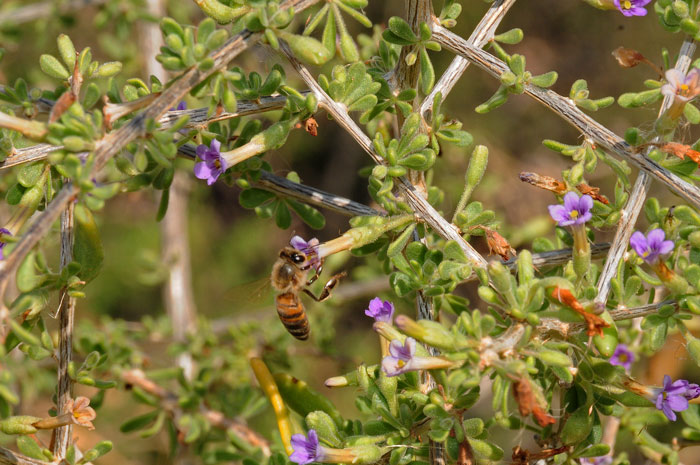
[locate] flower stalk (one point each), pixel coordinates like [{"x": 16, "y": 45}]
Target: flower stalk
[{"x": 269, "y": 387}]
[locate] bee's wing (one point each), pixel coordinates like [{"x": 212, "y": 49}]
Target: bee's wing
[{"x": 250, "y": 296}]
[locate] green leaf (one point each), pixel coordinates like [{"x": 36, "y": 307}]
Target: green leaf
[
  {"x": 87, "y": 248},
  {"x": 283, "y": 219},
  {"x": 251, "y": 198},
  {"x": 51, "y": 66},
  {"x": 308, "y": 214},
  {"x": 427, "y": 73},
  {"x": 30, "y": 448},
  {"x": 307, "y": 48},
  {"x": 545, "y": 80},
  {"x": 577, "y": 426},
  {"x": 400, "y": 28},
  {"x": 400, "y": 242},
  {"x": 138, "y": 422}
]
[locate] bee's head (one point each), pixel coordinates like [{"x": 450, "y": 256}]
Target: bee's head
[{"x": 293, "y": 255}]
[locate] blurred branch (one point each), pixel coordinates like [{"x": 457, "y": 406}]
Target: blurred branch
[
  {"x": 565, "y": 108},
  {"x": 115, "y": 141},
  {"x": 301, "y": 192},
  {"x": 639, "y": 193},
  {"x": 618, "y": 314},
  {"x": 39, "y": 10},
  {"x": 199, "y": 116},
  {"x": 418, "y": 203},
  {"x": 63, "y": 436},
  {"x": 560, "y": 256},
  {"x": 178, "y": 295},
  {"x": 482, "y": 34},
  {"x": 169, "y": 403},
  {"x": 44, "y": 104},
  {"x": 312, "y": 196},
  {"x": 7, "y": 457},
  {"x": 198, "y": 119},
  {"x": 28, "y": 155}
]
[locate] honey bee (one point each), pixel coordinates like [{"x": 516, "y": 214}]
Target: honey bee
[{"x": 290, "y": 276}]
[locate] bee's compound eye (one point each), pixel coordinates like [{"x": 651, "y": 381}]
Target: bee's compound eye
[{"x": 298, "y": 258}]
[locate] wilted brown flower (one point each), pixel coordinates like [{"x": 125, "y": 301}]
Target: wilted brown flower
[
  {"x": 593, "y": 192},
  {"x": 594, "y": 323},
  {"x": 527, "y": 402},
  {"x": 629, "y": 58},
  {"x": 498, "y": 244},
  {"x": 543, "y": 182}
]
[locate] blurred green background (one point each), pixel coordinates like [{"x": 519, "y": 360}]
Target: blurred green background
[{"x": 233, "y": 250}]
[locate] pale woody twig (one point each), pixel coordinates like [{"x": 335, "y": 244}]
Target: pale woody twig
[
  {"x": 63, "y": 436},
  {"x": 42, "y": 9},
  {"x": 640, "y": 190},
  {"x": 482, "y": 34},
  {"x": 419, "y": 204},
  {"x": 565, "y": 108},
  {"x": 198, "y": 119},
  {"x": 8, "y": 457}
]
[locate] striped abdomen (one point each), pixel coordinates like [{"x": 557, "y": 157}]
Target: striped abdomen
[{"x": 292, "y": 314}]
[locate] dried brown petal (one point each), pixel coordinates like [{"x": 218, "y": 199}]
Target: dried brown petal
[
  {"x": 593, "y": 192},
  {"x": 681, "y": 151},
  {"x": 311, "y": 126},
  {"x": 498, "y": 244},
  {"x": 594, "y": 323},
  {"x": 627, "y": 57},
  {"x": 543, "y": 182}
]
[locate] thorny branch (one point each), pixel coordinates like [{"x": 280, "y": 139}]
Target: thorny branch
[
  {"x": 482, "y": 34},
  {"x": 8, "y": 457},
  {"x": 198, "y": 119},
  {"x": 417, "y": 202},
  {"x": 39, "y": 10},
  {"x": 63, "y": 436},
  {"x": 640, "y": 190},
  {"x": 568, "y": 111}
]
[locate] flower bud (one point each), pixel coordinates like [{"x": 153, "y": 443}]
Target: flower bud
[{"x": 23, "y": 424}]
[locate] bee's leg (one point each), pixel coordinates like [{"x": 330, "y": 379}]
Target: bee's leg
[
  {"x": 326, "y": 292},
  {"x": 316, "y": 274}
]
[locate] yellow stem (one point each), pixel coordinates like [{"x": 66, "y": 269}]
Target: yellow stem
[{"x": 269, "y": 387}]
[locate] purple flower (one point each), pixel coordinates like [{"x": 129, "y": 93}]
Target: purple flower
[
  {"x": 682, "y": 87},
  {"x": 310, "y": 249},
  {"x": 602, "y": 460},
  {"x": 401, "y": 358},
  {"x": 180, "y": 106},
  {"x": 632, "y": 7},
  {"x": 575, "y": 210},
  {"x": 674, "y": 396},
  {"x": 692, "y": 391},
  {"x": 305, "y": 450},
  {"x": 212, "y": 164},
  {"x": 622, "y": 357},
  {"x": 3, "y": 244},
  {"x": 651, "y": 247},
  {"x": 380, "y": 310}
]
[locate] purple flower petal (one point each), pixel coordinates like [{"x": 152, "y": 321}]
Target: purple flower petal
[
  {"x": 202, "y": 170},
  {"x": 298, "y": 243},
  {"x": 571, "y": 201},
  {"x": 380, "y": 310},
  {"x": 677, "y": 403},
  {"x": 574, "y": 211},
  {"x": 651, "y": 247},
  {"x": 305, "y": 450}
]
